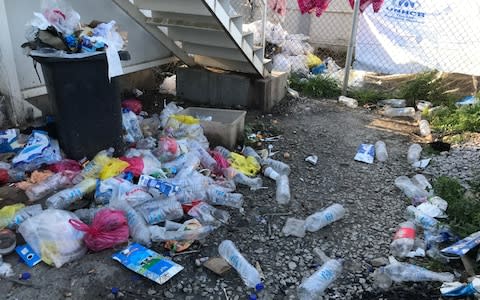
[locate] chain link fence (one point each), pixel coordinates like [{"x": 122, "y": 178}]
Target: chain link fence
[{"x": 404, "y": 37}]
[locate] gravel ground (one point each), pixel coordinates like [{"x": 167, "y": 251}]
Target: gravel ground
[{"x": 374, "y": 208}]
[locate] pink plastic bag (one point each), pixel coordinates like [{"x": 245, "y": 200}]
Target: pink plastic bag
[
  {"x": 109, "y": 228},
  {"x": 133, "y": 104},
  {"x": 222, "y": 162},
  {"x": 65, "y": 165},
  {"x": 167, "y": 150}
]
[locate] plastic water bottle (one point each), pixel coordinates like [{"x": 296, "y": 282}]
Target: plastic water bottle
[
  {"x": 348, "y": 102},
  {"x": 407, "y": 112},
  {"x": 87, "y": 214},
  {"x": 325, "y": 217},
  {"x": 136, "y": 223},
  {"x": 403, "y": 240},
  {"x": 410, "y": 190},
  {"x": 207, "y": 214},
  {"x": 249, "y": 151},
  {"x": 422, "y": 219},
  {"x": 218, "y": 196},
  {"x": 414, "y": 152},
  {"x": 422, "y": 182},
  {"x": 283, "y": 190},
  {"x": 161, "y": 234},
  {"x": 381, "y": 151},
  {"x": 24, "y": 214},
  {"x": 65, "y": 198},
  {"x": 205, "y": 158},
  {"x": 223, "y": 151},
  {"x": 157, "y": 211},
  {"x": 247, "y": 272},
  {"x": 397, "y": 103},
  {"x": 240, "y": 178},
  {"x": 424, "y": 127},
  {"x": 280, "y": 167},
  {"x": 400, "y": 272},
  {"x": 53, "y": 183},
  {"x": 271, "y": 173},
  {"x": 314, "y": 286}
]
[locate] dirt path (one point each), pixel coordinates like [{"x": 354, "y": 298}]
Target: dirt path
[{"x": 374, "y": 208}]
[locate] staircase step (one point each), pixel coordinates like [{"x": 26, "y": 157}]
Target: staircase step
[
  {"x": 202, "y": 37},
  {"x": 217, "y": 52},
  {"x": 183, "y": 24},
  {"x": 190, "y": 7},
  {"x": 202, "y": 21}
]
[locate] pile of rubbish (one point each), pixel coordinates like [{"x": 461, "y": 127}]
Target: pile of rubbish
[{"x": 290, "y": 52}]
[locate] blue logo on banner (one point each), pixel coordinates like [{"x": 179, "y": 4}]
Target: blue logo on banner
[{"x": 406, "y": 10}]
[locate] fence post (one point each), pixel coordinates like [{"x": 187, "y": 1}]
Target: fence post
[{"x": 351, "y": 45}]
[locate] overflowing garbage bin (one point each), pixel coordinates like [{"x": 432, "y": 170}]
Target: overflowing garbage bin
[{"x": 86, "y": 103}]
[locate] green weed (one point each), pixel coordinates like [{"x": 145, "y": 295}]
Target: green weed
[
  {"x": 456, "y": 120},
  {"x": 318, "y": 86},
  {"x": 369, "y": 95},
  {"x": 463, "y": 212}
]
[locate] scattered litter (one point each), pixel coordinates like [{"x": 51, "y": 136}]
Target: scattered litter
[
  {"x": 405, "y": 112},
  {"x": 395, "y": 103},
  {"x": 381, "y": 153},
  {"x": 463, "y": 246},
  {"x": 365, "y": 153},
  {"x": 424, "y": 105},
  {"x": 457, "y": 289},
  {"x": 421, "y": 164},
  {"x": 403, "y": 240},
  {"x": 29, "y": 257},
  {"x": 414, "y": 152},
  {"x": 314, "y": 286},
  {"x": 295, "y": 227},
  {"x": 24, "y": 276},
  {"x": 169, "y": 85},
  {"x": 401, "y": 272},
  {"x": 468, "y": 100},
  {"x": 324, "y": 217},
  {"x": 217, "y": 265},
  {"x": 313, "y": 159},
  {"x": 293, "y": 93},
  {"x": 5, "y": 268},
  {"x": 199, "y": 261},
  {"x": 147, "y": 263},
  {"x": 348, "y": 102},
  {"x": 431, "y": 210},
  {"x": 419, "y": 252}
]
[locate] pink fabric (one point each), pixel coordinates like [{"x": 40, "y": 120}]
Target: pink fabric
[
  {"x": 313, "y": 6},
  {"x": 377, "y": 4},
  {"x": 278, "y": 6}
]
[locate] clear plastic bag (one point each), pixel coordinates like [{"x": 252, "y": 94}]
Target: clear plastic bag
[
  {"x": 131, "y": 126},
  {"x": 61, "y": 16},
  {"x": 52, "y": 237}
]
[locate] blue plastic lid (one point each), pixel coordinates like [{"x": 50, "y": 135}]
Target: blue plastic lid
[
  {"x": 259, "y": 287},
  {"x": 25, "y": 276},
  {"x": 252, "y": 297},
  {"x": 115, "y": 290}
]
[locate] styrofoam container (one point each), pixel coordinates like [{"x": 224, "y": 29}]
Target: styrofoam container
[{"x": 221, "y": 126}]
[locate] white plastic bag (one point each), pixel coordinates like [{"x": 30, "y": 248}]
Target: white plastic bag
[
  {"x": 170, "y": 109},
  {"x": 169, "y": 85},
  {"x": 52, "y": 237},
  {"x": 61, "y": 16},
  {"x": 299, "y": 64},
  {"x": 281, "y": 63}
]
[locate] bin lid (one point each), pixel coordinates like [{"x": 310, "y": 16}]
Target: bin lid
[{"x": 46, "y": 55}]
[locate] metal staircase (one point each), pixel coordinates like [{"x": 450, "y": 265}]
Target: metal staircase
[{"x": 203, "y": 32}]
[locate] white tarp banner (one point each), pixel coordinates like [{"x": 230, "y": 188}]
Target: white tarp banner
[{"x": 410, "y": 36}]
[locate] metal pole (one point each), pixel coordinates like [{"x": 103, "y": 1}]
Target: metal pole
[
  {"x": 351, "y": 45},
  {"x": 264, "y": 27}
]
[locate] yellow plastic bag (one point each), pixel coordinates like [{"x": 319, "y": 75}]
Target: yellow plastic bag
[
  {"x": 8, "y": 212},
  {"x": 185, "y": 119},
  {"x": 247, "y": 165},
  {"x": 113, "y": 168},
  {"x": 313, "y": 60}
]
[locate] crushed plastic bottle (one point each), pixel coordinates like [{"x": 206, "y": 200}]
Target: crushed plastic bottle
[
  {"x": 223, "y": 151},
  {"x": 271, "y": 173},
  {"x": 348, "y": 102},
  {"x": 282, "y": 194},
  {"x": 314, "y": 286},
  {"x": 218, "y": 196},
  {"x": 414, "y": 152},
  {"x": 249, "y": 151},
  {"x": 406, "y": 112},
  {"x": 157, "y": 211},
  {"x": 401, "y": 272},
  {"x": 410, "y": 190},
  {"x": 53, "y": 183},
  {"x": 162, "y": 234},
  {"x": 403, "y": 240},
  {"x": 65, "y": 198},
  {"x": 422, "y": 219},
  {"x": 240, "y": 178},
  {"x": 208, "y": 214},
  {"x": 247, "y": 272},
  {"x": 396, "y": 103},
  {"x": 324, "y": 217},
  {"x": 424, "y": 127},
  {"x": 422, "y": 182},
  {"x": 206, "y": 159},
  {"x": 381, "y": 153},
  {"x": 280, "y": 167}
]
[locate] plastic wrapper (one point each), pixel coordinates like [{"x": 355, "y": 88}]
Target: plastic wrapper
[
  {"x": 52, "y": 237},
  {"x": 168, "y": 110},
  {"x": 50, "y": 185},
  {"x": 113, "y": 168},
  {"x": 150, "y": 126},
  {"x": 134, "y": 105},
  {"x": 151, "y": 165},
  {"x": 246, "y": 165},
  {"x": 167, "y": 150},
  {"x": 365, "y": 153},
  {"x": 120, "y": 189},
  {"x": 39, "y": 150},
  {"x": 135, "y": 165},
  {"x": 108, "y": 229}
]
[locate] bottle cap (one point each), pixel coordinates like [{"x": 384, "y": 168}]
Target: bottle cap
[
  {"x": 115, "y": 290},
  {"x": 259, "y": 287},
  {"x": 25, "y": 276},
  {"x": 252, "y": 297}
]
